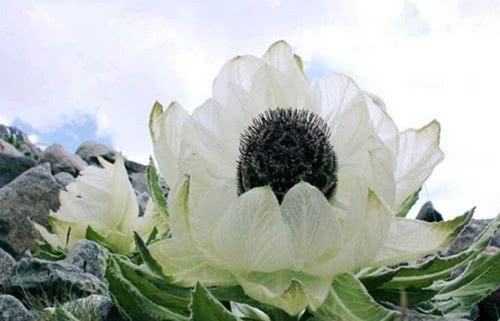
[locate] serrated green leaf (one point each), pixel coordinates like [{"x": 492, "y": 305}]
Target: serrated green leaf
[
  {"x": 373, "y": 278},
  {"x": 349, "y": 300},
  {"x": 457, "y": 297},
  {"x": 413, "y": 296},
  {"x": 408, "y": 204},
  {"x": 205, "y": 307},
  {"x": 157, "y": 195},
  {"x": 248, "y": 312},
  {"x": 131, "y": 300},
  {"x": 147, "y": 257}
]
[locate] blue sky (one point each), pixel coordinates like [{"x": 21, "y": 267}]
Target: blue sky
[{"x": 77, "y": 70}]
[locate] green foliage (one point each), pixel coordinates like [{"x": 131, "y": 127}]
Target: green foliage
[
  {"x": 205, "y": 307},
  {"x": 408, "y": 204},
  {"x": 155, "y": 190}
]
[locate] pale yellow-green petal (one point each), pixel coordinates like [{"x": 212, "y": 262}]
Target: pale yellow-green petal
[
  {"x": 167, "y": 132},
  {"x": 316, "y": 233},
  {"x": 287, "y": 290},
  {"x": 408, "y": 239},
  {"x": 252, "y": 236},
  {"x": 418, "y": 154}
]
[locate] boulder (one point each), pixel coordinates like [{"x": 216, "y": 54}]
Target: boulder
[
  {"x": 34, "y": 276},
  {"x": 62, "y": 161},
  {"x": 6, "y": 148},
  {"x": 90, "y": 150},
  {"x": 13, "y": 310},
  {"x": 29, "y": 197},
  {"x": 468, "y": 235},
  {"x": 64, "y": 179},
  {"x": 20, "y": 141},
  {"x": 13, "y": 166},
  {"x": 7, "y": 264},
  {"x": 429, "y": 214},
  {"x": 90, "y": 257}
]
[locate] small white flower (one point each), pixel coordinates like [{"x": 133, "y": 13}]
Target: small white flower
[
  {"x": 281, "y": 183},
  {"x": 103, "y": 199}
]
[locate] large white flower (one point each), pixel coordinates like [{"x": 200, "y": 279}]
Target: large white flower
[
  {"x": 104, "y": 200},
  {"x": 281, "y": 183}
]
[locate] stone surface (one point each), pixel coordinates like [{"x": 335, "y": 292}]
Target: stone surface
[
  {"x": 7, "y": 264},
  {"x": 29, "y": 197},
  {"x": 90, "y": 257},
  {"x": 469, "y": 234},
  {"x": 6, "y": 148},
  {"x": 139, "y": 182},
  {"x": 98, "y": 306},
  {"x": 429, "y": 214},
  {"x": 61, "y": 160},
  {"x": 55, "y": 279},
  {"x": 64, "y": 179},
  {"x": 20, "y": 141},
  {"x": 13, "y": 166},
  {"x": 142, "y": 201},
  {"x": 13, "y": 310},
  {"x": 90, "y": 150}
]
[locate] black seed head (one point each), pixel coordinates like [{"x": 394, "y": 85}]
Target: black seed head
[{"x": 283, "y": 147}]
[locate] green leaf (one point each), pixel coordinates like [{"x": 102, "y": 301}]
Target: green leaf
[
  {"x": 157, "y": 195},
  {"x": 413, "y": 296},
  {"x": 408, "y": 204},
  {"x": 248, "y": 312},
  {"x": 147, "y": 257},
  {"x": 205, "y": 307},
  {"x": 91, "y": 234},
  {"x": 348, "y": 300},
  {"x": 61, "y": 314},
  {"x": 137, "y": 297},
  {"x": 457, "y": 297},
  {"x": 44, "y": 250}
]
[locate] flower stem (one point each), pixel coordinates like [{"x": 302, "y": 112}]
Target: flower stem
[{"x": 280, "y": 315}]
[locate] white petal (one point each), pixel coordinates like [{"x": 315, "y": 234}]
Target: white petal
[
  {"x": 239, "y": 71},
  {"x": 364, "y": 230},
  {"x": 280, "y": 55},
  {"x": 186, "y": 265},
  {"x": 289, "y": 291},
  {"x": 419, "y": 153},
  {"x": 315, "y": 229},
  {"x": 167, "y": 132},
  {"x": 383, "y": 124},
  {"x": 333, "y": 94},
  {"x": 409, "y": 239},
  {"x": 102, "y": 198},
  {"x": 252, "y": 235}
]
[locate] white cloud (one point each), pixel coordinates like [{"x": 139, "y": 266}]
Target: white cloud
[{"x": 112, "y": 60}]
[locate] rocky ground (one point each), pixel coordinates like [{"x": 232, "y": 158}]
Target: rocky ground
[{"x": 30, "y": 182}]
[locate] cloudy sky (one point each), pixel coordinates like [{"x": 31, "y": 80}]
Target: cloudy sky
[{"x": 76, "y": 70}]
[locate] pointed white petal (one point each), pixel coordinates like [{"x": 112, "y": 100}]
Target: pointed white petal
[
  {"x": 419, "y": 153},
  {"x": 289, "y": 291},
  {"x": 252, "y": 235},
  {"x": 316, "y": 233},
  {"x": 364, "y": 232},
  {"x": 52, "y": 239},
  {"x": 409, "y": 239},
  {"x": 186, "y": 265},
  {"x": 280, "y": 55},
  {"x": 167, "y": 132},
  {"x": 333, "y": 94}
]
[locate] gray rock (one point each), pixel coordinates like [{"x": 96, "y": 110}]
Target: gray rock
[
  {"x": 20, "y": 141},
  {"x": 142, "y": 201},
  {"x": 56, "y": 279},
  {"x": 139, "y": 182},
  {"x": 29, "y": 197},
  {"x": 6, "y": 148},
  {"x": 429, "y": 214},
  {"x": 90, "y": 257},
  {"x": 468, "y": 235},
  {"x": 13, "y": 166},
  {"x": 98, "y": 306},
  {"x": 62, "y": 161},
  {"x": 13, "y": 310},
  {"x": 7, "y": 264},
  {"x": 64, "y": 178},
  {"x": 90, "y": 150}
]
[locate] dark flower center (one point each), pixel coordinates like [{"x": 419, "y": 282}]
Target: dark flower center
[{"x": 283, "y": 147}]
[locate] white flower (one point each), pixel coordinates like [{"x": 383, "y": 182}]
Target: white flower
[
  {"x": 256, "y": 200},
  {"x": 103, "y": 199}
]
